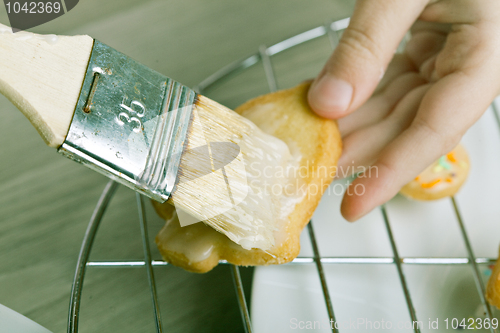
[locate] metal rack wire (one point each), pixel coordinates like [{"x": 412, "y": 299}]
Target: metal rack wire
[{"x": 332, "y": 31}]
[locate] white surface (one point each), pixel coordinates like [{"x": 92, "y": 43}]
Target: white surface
[
  {"x": 285, "y": 295},
  {"x": 13, "y": 322}
]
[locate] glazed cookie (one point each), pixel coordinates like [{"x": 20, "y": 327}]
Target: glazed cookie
[
  {"x": 314, "y": 145},
  {"x": 441, "y": 179},
  {"x": 493, "y": 287}
]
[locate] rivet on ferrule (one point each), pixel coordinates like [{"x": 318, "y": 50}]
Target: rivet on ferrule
[
  {"x": 88, "y": 104},
  {"x": 132, "y": 129}
]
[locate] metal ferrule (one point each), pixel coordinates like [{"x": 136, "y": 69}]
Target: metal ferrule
[{"x": 130, "y": 123}]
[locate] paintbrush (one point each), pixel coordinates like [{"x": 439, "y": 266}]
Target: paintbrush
[{"x": 99, "y": 107}]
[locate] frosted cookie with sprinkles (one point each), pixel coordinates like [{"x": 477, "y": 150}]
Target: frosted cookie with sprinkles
[{"x": 441, "y": 179}]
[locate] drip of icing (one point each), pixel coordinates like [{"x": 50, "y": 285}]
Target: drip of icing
[
  {"x": 23, "y": 36},
  {"x": 5, "y": 30},
  {"x": 201, "y": 239},
  {"x": 51, "y": 39}
]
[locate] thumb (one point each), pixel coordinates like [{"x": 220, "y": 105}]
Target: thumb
[{"x": 358, "y": 63}]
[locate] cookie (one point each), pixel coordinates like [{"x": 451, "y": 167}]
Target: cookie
[
  {"x": 493, "y": 287},
  {"x": 441, "y": 179},
  {"x": 315, "y": 146}
]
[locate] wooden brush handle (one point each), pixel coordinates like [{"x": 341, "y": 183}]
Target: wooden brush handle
[{"x": 42, "y": 76}]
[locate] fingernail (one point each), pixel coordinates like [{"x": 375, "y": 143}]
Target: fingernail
[{"x": 331, "y": 95}]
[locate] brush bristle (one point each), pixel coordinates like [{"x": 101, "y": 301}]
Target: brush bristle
[{"x": 221, "y": 180}]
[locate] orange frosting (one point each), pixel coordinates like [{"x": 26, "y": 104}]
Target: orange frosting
[{"x": 430, "y": 184}]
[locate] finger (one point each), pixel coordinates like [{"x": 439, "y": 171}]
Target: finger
[
  {"x": 367, "y": 45},
  {"x": 362, "y": 148},
  {"x": 428, "y": 67},
  {"x": 399, "y": 65},
  {"x": 470, "y": 50},
  {"x": 420, "y": 25},
  {"x": 461, "y": 11},
  {"x": 446, "y": 111},
  {"x": 424, "y": 45},
  {"x": 467, "y": 74},
  {"x": 381, "y": 105}
]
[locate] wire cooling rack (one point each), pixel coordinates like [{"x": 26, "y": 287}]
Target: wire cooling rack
[{"x": 333, "y": 30}]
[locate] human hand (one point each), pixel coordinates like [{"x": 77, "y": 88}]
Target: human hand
[{"x": 427, "y": 99}]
